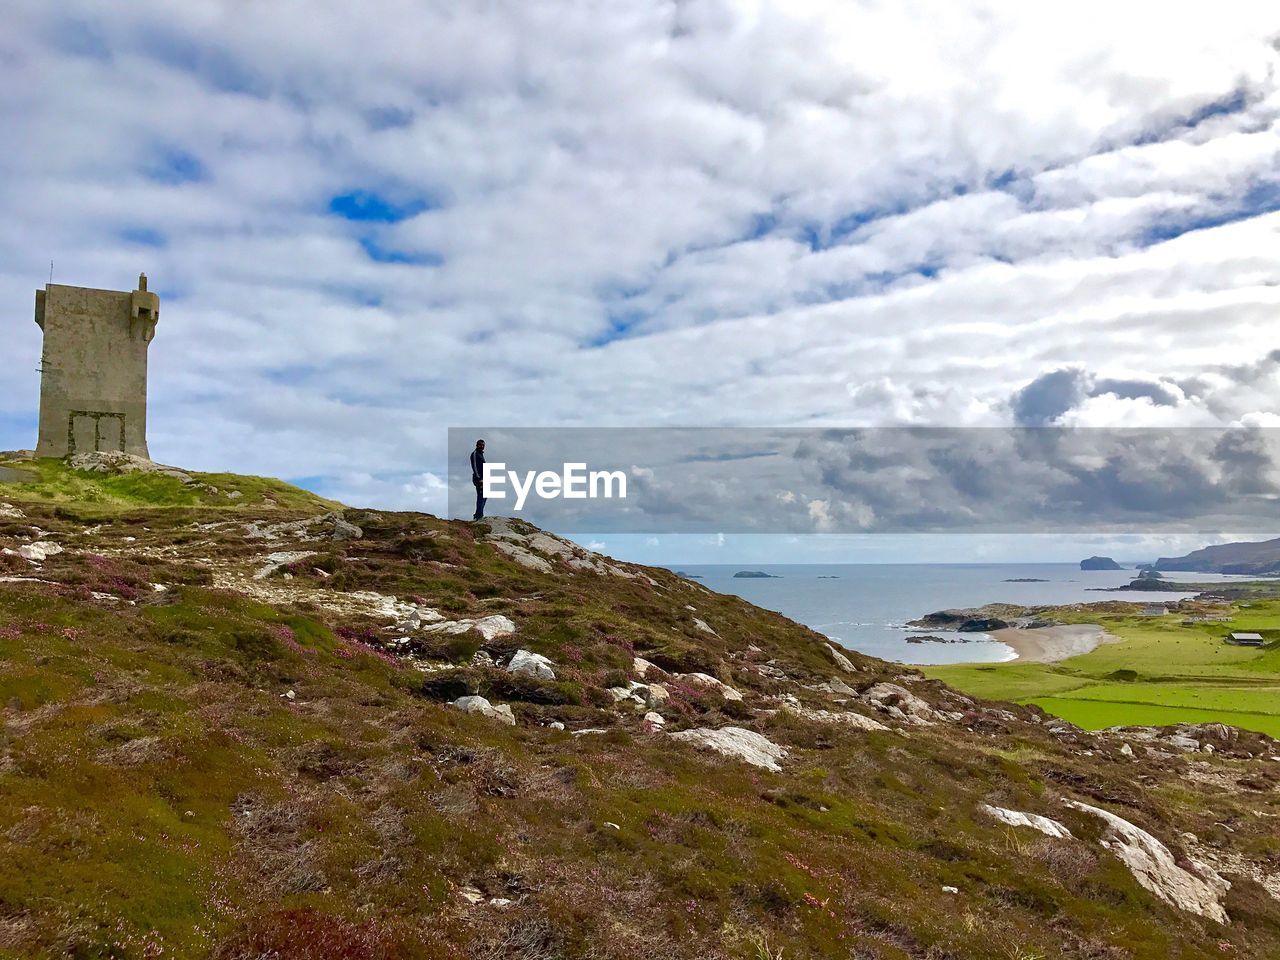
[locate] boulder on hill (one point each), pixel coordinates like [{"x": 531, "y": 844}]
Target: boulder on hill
[
  {"x": 745, "y": 745},
  {"x": 494, "y": 711},
  {"x": 531, "y": 664}
]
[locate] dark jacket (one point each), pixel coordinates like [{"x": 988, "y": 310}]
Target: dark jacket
[{"x": 477, "y": 466}]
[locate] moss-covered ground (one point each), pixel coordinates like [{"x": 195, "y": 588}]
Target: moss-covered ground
[
  {"x": 53, "y": 481},
  {"x": 235, "y": 767}
]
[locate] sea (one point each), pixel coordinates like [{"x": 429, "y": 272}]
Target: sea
[{"x": 866, "y": 607}]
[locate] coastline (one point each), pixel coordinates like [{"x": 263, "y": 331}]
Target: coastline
[{"x": 1051, "y": 644}]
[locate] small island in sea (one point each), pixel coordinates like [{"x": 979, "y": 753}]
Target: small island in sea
[
  {"x": 755, "y": 575},
  {"x": 1099, "y": 563},
  {"x": 1026, "y": 580}
]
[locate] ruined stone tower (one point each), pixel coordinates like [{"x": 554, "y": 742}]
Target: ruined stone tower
[{"x": 93, "y": 381}]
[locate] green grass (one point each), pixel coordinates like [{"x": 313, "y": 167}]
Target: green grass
[
  {"x": 1175, "y": 673},
  {"x": 53, "y": 481}
]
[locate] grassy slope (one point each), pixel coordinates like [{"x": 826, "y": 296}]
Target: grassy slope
[
  {"x": 1180, "y": 674},
  {"x": 160, "y": 794},
  {"x": 53, "y": 481}
]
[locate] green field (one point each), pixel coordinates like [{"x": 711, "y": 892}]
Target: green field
[{"x": 1163, "y": 672}]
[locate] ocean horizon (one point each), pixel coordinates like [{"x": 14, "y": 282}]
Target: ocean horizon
[{"x": 866, "y": 606}]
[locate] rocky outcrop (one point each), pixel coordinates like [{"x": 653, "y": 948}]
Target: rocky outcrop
[
  {"x": 1016, "y": 818},
  {"x": 840, "y": 660},
  {"x": 494, "y": 711},
  {"x": 982, "y": 620},
  {"x": 488, "y": 627},
  {"x": 342, "y": 530},
  {"x": 38, "y": 551},
  {"x": 1197, "y": 888},
  {"x": 523, "y": 556},
  {"x": 899, "y": 703},
  {"x": 843, "y": 717},
  {"x": 532, "y": 665},
  {"x": 1099, "y": 563},
  {"x": 745, "y": 745},
  {"x": 537, "y": 549},
  {"x": 708, "y": 682},
  {"x": 1200, "y": 737},
  {"x": 9, "y": 512},
  {"x": 274, "y": 561}
]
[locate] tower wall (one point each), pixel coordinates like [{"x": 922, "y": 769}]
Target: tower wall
[{"x": 93, "y": 385}]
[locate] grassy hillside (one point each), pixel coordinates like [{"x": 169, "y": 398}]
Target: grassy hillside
[
  {"x": 1164, "y": 671},
  {"x": 229, "y": 734},
  {"x": 54, "y": 481}
]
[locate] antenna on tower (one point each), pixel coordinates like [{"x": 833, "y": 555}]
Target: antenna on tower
[{"x": 51, "y": 271}]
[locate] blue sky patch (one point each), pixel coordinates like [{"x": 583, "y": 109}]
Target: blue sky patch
[
  {"x": 143, "y": 237},
  {"x": 366, "y": 206},
  {"x": 1262, "y": 197},
  {"x": 378, "y": 253},
  {"x": 174, "y": 166}
]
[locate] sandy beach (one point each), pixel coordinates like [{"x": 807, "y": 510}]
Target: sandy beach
[{"x": 1051, "y": 644}]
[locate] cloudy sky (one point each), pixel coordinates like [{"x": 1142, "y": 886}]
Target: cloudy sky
[{"x": 371, "y": 222}]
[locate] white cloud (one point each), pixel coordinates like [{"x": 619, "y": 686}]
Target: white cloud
[{"x": 712, "y": 212}]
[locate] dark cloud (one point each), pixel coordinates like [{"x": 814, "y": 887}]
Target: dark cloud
[{"x": 1049, "y": 396}]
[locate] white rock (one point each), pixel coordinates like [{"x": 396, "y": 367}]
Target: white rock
[
  {"x": 556, "y": 725},
  {"x": 702, "y": 625},
  {"x": 654, "y": 720},
  {"x": 738, "y": 743},
  {"x": 1016, "y": 818},
  {"x": 655, "y": 694},
  {"x": 9, "y": 512},
  {"x": 841, "y": 661},
  {"x": 709, "y": 682},
  {"x": 274, "y": 561},
  {"x": 531, "y": 664},
  {"x": 40, "y": 550},
  {"x": 471, "y": 895},
  {"x": 1126, "y": 750},
  {"x": 522, "y": 556},
  {"x": 950, "y": 889},
  {"x": 488, "y": 627},
  {"x": 499, "y": 711},
  {"x": 1154, "y": 867},
  {"x": 845, "y": 717},
  {"x": 641, "y": 666}
]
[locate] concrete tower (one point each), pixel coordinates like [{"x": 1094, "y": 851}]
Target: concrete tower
[{"x": 93, "y": 380}]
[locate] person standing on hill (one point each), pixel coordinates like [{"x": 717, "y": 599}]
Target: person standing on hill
[{"x": 477, "y": 478}]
